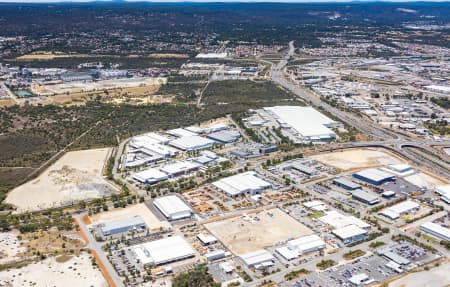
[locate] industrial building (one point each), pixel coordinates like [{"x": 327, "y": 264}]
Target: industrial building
[
  {"x": 172, "y": 207},
  {"x": 300, "y": 246},
  {"x": 389, "y": 254},
  {"x": 180, "y": 133},
  {"x": 346, "y": 183},
  {"x": 338, "y": 220},
  {"x": 225, "y": 136},
  {"x": 120, "y": 226},
  {"x": 206, "y": 239},
  {"x": 365, "y": 197},
  {"x": 350, "y": 233},
  {"x": 258, "y": 259},
  {"x": 305, "y": 123},
  {"x": 444, "y": 192},
  {"x": 436, "y": 230},
  {"x": 215, "y": 255},
  {"x": 400, "y": 169},
  {"x": 191, "y": 143},
  {"x": 150, "y": 176},
  {"x": 316, "y": 205},
  {"x": 268, "y": 149},
  {"x": 180, "y": 168},
  {"x": 374, "y": 176},
  {"x": 405, "y": 207},
  {"x": 163, "y": 251},
  {"x": 361, "y": 279},
  {"x": 243, "y": 183}
]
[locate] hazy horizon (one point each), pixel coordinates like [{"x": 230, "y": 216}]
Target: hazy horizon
[{"x": 220, "y": 1}]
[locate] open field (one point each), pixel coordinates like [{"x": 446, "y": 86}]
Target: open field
[
  {"x": 75, "y": 176},
  {"x": 438, "y": 276},
  {"x": 84, "y": 87},
  {"x": 139, "y": 209},
  {"x": 77, "y": 271},
  {"x": 10, "y": 247},
  {"x": 358, "y": 158},
  {"x": 424, "y": 180},
  {"x": 168, "y": 55},
  {"x": 244, "y": 234},
  {"x": 48, "y": 56}
]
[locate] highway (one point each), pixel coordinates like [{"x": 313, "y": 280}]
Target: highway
[{"x": 419, "y": 151}]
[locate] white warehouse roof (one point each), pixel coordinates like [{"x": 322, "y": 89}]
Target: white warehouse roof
[
  {"x": 180, "y": 132},
  {"x": 339, "y": 220},
  {"x": 151, "y": 175},
  {"x": 164, "y": 251},
  {"x": 374, "y": 174},
  {"x": 257, "y": 257},
  {"x": 436, "y": 230},
  {"x": 399, "y": 209},
  {"x": 180, "y": 167},
  {"x": 238, "y": 184},
  {"x": 172, "y": 207},
  {"x": 349, "y": 231},
  {"x": 190, "y": 143},
  {"x": 307, "y": 121}
]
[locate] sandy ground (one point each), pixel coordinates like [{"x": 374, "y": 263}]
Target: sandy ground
[
  {"x": 77, "y": 271},
  {"x": 168, "y": 55},
  {"x": 75, "y": 176},
  {"x": 435, "y": 277},
  {"x": 424, "y": 180},
  {"x": 49, "y": 56},
  {"x": 10, "y": 247},
  {"x": 83, "y": 87},
  {"x": 243, "y": 234},
  {"x": 358, "y": 158},
  {"x": 139, "y": 209}
]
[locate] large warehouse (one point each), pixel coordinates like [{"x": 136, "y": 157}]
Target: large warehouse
[
  {"x": 172, "y": 207},
  {"x": 163, "y": 251},
  {"x": 374, "y": 176},
  {"x": 257, "y": 259},
  {"x": 436, "y": 230},
  {"x": 120, "y": 226},
  {"x": 338, "y": 220},
  {"x": 350, "y": 233},
  {"x": 400, "y": 209},
  {"x": 300, "y": 246},
  {"x": 150, "y": 176},
  {"x": 243, "y": 183},
  {"x": 365, "y": 197},
  {"x": 192, "y": 143},
  {"x": 308, "y": 123}
]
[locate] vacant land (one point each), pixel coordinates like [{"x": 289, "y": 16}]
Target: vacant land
[
  {"x": 85, "y": 87},
  {"x": 424, "y": 180},
  {"x": 40, "y": 56},
  {"x": 10, "y": 247},
  {"x": 438, "y": 276},
  {"x": 243, "y": 92},
  {"x": 77, "y": 271},
  {"x": 139, "y": 209},
  {"x": 248, "y": 233},
  {"x": 358, "y": 158},
  {"x": 76, "y": 176}
]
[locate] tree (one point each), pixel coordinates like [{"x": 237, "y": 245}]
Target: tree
[{"x": 197, "y": 277}]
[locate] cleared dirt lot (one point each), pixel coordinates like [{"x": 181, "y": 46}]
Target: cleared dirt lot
[
  {"x": 10, "y": 247},
  {"x": 139, "y": 209},
  {"x": 424, "y": 180},
  {"x": 358, "y": 158},
  {"x": 75, "y": 176},
  {"x": 248, "y": 233},
  {"x": 434, "y": 277},
  {"x": 77, "y": 271}
]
